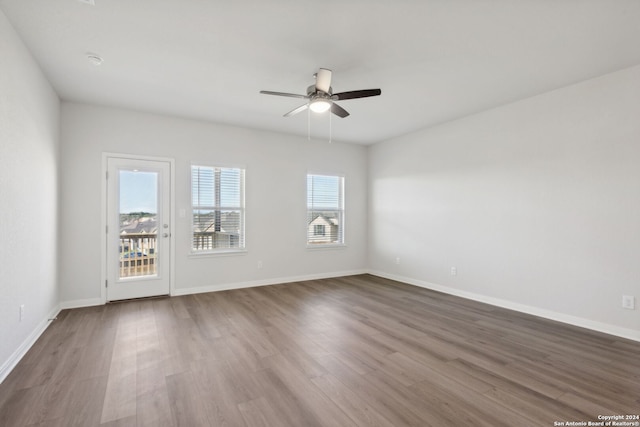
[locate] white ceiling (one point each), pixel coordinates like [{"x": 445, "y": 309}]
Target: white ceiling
[{"x": 435, "y": 60}]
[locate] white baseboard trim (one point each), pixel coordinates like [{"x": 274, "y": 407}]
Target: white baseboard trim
[
  {"x": 90, "y": 302},
  {"x": 540, "y": 312},
  {"x": 264, "y": 282},
  {"x": 17, "y": 355}
]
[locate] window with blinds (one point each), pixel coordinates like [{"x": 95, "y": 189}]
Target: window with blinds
[
  {"x": 217, "y": 201},
  {"x": 325, "y": 210}
]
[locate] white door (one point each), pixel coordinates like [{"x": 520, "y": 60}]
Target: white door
[{"x": 138, "y": 232}]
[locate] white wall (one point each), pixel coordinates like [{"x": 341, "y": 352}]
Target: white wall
[
  {"x": 276, "y": 167},
  {"x": 536, "y": 203},
  {"x": 29, "y": 120}
]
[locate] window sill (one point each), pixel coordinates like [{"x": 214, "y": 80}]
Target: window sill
[
  {"x": 326, "y": 246},
  {"x": 223, "y": 252}
]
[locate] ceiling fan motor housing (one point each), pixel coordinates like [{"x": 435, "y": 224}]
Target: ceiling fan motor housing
[{"x": 312, "y": 90}]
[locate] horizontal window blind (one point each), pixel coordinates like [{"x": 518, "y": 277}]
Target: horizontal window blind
[
  {"x": 325, "y": 209},
  {"x": 217, "y": 200}
]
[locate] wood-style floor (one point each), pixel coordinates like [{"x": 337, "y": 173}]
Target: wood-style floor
[{"x": 353, "y": 351}]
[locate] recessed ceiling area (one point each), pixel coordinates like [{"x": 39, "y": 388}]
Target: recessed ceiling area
[{"x": 435, "y": 61}]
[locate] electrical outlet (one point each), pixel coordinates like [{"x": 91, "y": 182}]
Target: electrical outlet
[
  {"x": 259, "y": 264},
  {"x": 21, "y": 312},
  {"x": 398, "y": 260},
  {"x": 628, "y": 302},
  {"x": 454, "y": 271}
]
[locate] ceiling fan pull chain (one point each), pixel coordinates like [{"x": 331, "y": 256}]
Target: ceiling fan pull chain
[
  {"x": 330, "y": 130},
  {"x": 308, "y": 124}
]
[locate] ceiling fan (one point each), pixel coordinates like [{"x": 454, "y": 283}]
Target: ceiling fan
[{"x": 320, "y": 97}]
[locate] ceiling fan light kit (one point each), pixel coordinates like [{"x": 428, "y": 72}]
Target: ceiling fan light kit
[
  {"x": 319, "y": 105},
  {"x": 320, "y": 97}
]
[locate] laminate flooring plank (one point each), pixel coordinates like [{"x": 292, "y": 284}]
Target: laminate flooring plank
[
  {"x": 219, "y": 398},
  {"x": 54, "y": 331},
  {"x": 595, "y": 379},
  {"x": 56, "y": 422},
  {"x": 84, "y": 405},
  {"x": 591, "y": 406},
  {"x": 281, "y": 296},
  {"x": 294, "y": 353},
  {"x": 237, "y": 348},
  {"x": 347, "y": 359},
  {"x": 392, "y": 405},
  {"x": 53, "y": 403},
  {"x": 581, "y": 381},
  {"x": 179, "y": 308},
  {"x": 360, "y": 412},
  {"x": 285, "y": 402},
  {"x": 259, "y": 413},
  {"x": 87, "y": 331},
  {"x": 464, "y": 407},
  {"x": 305, "y": 339},
  {"x": 364, "y": 355},
  {"x": 17, "y": 410},
  {"x": 382, "y": 319},
  {"x": 253, "y": 336},
  {"x": 120, "y": 397},
  {"x": 152, "y": 398},
  {"x": 153, "y": 408},
  {"x": 309, "y": 396},
  {"x": 41, "y": 371},
  {"x": 622, "y": 371},
  {"x": 537, "y": 407},
  {"x": 122, "y": 422},
  {"x": 423, "y": 363},
  {"x": 504, "y": 376},
  {"x": 95, "y": 361},
  {"x": 426, "y": 349},
  {"x": 185, "y": 401},
  {"x": 206, "y": 324}
]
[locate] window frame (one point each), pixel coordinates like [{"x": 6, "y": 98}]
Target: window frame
[
  {"x": 242, "y": 249},
  {"x": 340, "y": 211}
]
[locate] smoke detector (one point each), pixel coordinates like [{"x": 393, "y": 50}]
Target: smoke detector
[{"x": 94, "y": 58}]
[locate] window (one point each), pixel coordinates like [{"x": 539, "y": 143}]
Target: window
[
  {"x": 325, "y": 210},
  {"x": 217, "y": 201}
]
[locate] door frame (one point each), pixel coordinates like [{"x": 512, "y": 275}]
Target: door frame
[{"x": 104, "y": 217}]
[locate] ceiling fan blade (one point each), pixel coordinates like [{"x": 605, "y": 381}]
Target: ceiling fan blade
[
  {"x": 323, "y": 80},
  {"x": 356, "y": 94},
  {"x": 297, "y": 110},
  {"x": 291, "y": 95},
  {"x": 339, "y": 111}
]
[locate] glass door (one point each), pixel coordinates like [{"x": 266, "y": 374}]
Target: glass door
[{"x": 138, "y": 234}]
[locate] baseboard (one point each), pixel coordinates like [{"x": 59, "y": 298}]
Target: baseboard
[
  {"x": 606, "y": 328},
  {"x": 17, "y": 355},
  {"x": 90, "y": 302},
  {"x": 264, "y": 282}
]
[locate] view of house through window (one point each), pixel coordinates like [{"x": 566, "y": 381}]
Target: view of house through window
[
  {"x": 138, "y": 203},
  {"x": 325, "y": 209},
  {"x": 217, "y": 199}
]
